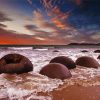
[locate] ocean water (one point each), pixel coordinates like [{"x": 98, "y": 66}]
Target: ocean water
[{"x": 27, "y": 86}]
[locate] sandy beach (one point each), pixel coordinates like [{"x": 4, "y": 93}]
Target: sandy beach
[
  {"x": 77, "y": 93},
  {"x": 84, "y": 84}
]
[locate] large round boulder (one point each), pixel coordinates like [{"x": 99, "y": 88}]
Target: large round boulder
[
  {"x": 56, "y": 70},
  {"x": 15, "y": 63},
  {"x": 87, "y": 62},
  {"x": 84, "y": 51},
  {"x": 98, "y": 57},
  {"x": 55, "y": 51},
  {"x": 68, "y": 62},
  {"x": 97, "y": 51}
]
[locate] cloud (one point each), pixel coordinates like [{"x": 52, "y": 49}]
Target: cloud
[
  {"x": 10, "y": 37},
  {"x": 30, "y": 27},
  {"x": 58, "y": 17},
  {"x": 11, "y": 33},
  {"x": 42, "y": 23},
  {"x": 2, "y": 25},
  {"x": 45, "y": 29},
  {"x": 55, "y": 24},
  {"x": 37, "y": 32},
  {"x": 4, "y": 17},
  {"x": 53, "y": 11},
  {"x": 41, "y": 27},
  {"x": 30, "y": 1}
]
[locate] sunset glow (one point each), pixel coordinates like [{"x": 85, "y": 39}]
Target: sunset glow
[{"x": 49, "y": 21}]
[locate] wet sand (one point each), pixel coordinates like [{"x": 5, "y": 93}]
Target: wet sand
[
  {"x": 77, "y": 93},
  {"x": 74, "y": 92}
]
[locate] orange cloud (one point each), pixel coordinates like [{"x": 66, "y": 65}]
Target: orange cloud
[
  {"x": 32, "y": 41},
  {"x": 41, "y": 23},
  {"x": 54, "y": 29},
  {"x": 57, "y": 16},
  {"x": 59, "y": 23},
  {"x": 9, "y": 38}
]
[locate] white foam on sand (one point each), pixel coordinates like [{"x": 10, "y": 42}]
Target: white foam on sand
[
  {"x": 24, "y": 94},
  {"x": 84, "y": 76},
  {"x": 18, "y": 86},
  {"x": 20, "y": 48}
]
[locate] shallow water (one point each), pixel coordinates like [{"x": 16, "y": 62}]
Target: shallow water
[{"x": 28, "y": 86}]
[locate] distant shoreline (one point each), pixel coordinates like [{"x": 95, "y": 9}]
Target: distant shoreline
[
  {"x": 37, "y": 45},
  {"x": 73, "y": 45}
]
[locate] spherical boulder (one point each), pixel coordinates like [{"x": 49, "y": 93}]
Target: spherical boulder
[
  {"x": 15, "y": 63},
  {"x": 55, "y": 51},
  {"x": 68, "y": 62},
  {"x": 97, "y": 51},
  {"x": 98, "y": 57},
  {"x": 84, "y": 51},
  {"x": 56, "y": 70},
  {"x": 87, "y": 62}
]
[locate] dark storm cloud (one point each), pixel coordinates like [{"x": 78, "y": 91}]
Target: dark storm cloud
[
  {"x": 4, "y": 17},
  {"x": 30, "y": 27},
  {"x": 36, "y": 31},
  {"x": 14, "y": 34},
  {"x": 2, "y": 25}
]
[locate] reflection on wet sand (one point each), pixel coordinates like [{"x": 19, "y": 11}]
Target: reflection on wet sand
[{"x": 76, "y": 92}]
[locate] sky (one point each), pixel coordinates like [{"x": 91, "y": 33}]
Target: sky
[{"x": 49, "y": 22}]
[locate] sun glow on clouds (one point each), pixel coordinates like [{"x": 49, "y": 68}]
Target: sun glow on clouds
[
  {"x": 55, "y": 26},
  {"x": 40, "y": 38},
  {"x": 49, "y": 29},
  {"x": 43, "y": 22},
  {"x": 40, "y": 22},
  {"x": 19, "y": 19},
  {"x": 17, "y": 27},
  {"x": 57, "y": 16},
  {"x": 52, "y": 28}
]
